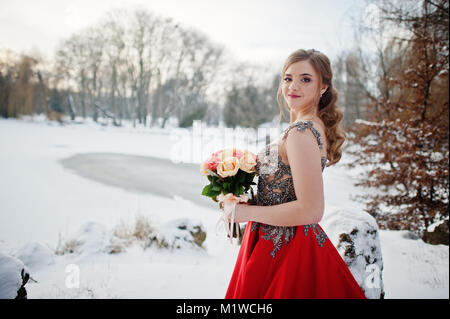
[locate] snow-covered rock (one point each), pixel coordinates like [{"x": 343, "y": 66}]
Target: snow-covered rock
[
  {"x": 92, "y": 238},
  {"x": 35, "y": 255},
  {"x": 13, "y": 277},
  {"x": 437, "y": 233},
  {"x": 179, "y": 233},
  {"x": 356, "y": 237}
]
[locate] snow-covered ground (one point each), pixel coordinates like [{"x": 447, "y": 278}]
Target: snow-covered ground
[{"x": 43, "y": 203}]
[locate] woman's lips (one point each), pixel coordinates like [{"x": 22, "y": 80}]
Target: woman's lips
[{"x": 293, "y": 96}]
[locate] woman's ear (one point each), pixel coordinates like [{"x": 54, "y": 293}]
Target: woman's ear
[{"x": 324, "y": 89}]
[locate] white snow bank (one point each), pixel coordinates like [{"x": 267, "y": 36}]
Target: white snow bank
[
  {"x": 92, "y": 238},
  {"x": 35, "y": 255},
  {"x": 10, "y": 276},
  {"x": 414, "y": 269}
]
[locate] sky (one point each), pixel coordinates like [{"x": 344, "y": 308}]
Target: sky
[{"x": 261, "y": 31}]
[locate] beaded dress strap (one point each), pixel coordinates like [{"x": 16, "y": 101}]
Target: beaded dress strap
[{"x": 301, "y": 126}]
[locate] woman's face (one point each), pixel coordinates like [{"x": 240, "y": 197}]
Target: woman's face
[{"x": 300, "y": 86}]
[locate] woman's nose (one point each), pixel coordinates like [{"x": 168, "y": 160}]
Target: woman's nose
[{"x": 294, "y": 84}]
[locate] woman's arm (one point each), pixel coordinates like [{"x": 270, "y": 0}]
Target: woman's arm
[{"x": 304, "y": 159}]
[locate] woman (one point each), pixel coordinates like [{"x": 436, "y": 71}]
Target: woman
[{"x": 284, "y": 252}]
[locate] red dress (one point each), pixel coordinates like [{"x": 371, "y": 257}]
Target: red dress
[{"x": 288, "y": 262}]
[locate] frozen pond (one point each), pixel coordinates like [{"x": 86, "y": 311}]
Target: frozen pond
[{"x": 142, "y": 174}]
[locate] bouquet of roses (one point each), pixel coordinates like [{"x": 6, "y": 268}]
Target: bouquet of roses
[{"x": 230, "y": 173}]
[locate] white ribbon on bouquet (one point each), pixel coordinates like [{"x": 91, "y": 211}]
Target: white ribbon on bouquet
[{"x": 229, "y": 202}]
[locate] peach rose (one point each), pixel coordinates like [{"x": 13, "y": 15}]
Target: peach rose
[
  {"x": 228, "y": 167},
  {"x": 216, "y": 154},
  {"x": 232, "y": 152},
  {"x": 247, "y": 162}
]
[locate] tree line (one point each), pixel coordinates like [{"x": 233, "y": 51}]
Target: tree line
[{"x": 131, "y": 65}]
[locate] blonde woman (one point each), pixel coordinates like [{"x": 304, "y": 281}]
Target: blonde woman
[{"x": 284, "y": 252}]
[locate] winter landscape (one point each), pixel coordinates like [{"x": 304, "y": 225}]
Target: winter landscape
[
  {"x": 108, "y": 111},
  {"x": 75, "y": 197}
]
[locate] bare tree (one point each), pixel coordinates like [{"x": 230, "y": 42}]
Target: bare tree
[
  {"x": 114, "y": 31},
  {"x": 250, "y": 103},
  {"x": 20, "y": 101},
  {"x": 136, "y": 63},
  {"x": 95, "y": 43}
]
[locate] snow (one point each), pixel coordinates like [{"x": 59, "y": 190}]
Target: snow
[
  {"x": 44, "y": 205},
  {"x": 364, "y": 257},
  {"x": 412, "y": 268},
  {"x": 10, "y": 276},
  {"x": 36, "y": 256},
  {"x": 433, "y": 226}
]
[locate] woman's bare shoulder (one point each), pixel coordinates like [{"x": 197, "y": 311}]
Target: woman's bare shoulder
[{"x": 321, "y": 128}]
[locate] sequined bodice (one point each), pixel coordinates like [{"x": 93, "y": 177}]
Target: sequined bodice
[{"x": 275, "y": 186}]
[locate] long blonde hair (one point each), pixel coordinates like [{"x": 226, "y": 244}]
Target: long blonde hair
[{"x": 330, "y": 114}]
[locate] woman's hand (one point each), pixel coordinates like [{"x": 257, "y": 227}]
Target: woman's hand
[{"x": 239, "y": 216}]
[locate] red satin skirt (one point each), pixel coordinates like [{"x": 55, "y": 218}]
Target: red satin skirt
[{"x": 304, "y": 266}]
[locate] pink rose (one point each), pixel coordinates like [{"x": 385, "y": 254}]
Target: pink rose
[{"x": 209, "y": 164}]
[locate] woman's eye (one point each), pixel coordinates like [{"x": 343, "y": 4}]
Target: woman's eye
[{"x": 306, "y": 80}]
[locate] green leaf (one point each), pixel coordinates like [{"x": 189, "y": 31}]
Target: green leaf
[
  {"x": 206, "y": 190},
  {"x": 216, "y": 188},
  {"x": 236, "y": 190},
  {"x": 215, "y": 193}
]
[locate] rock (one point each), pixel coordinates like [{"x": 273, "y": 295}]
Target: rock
[
  {"x": 13, "y": 277},
  {"x": 179, "y": 233},
  {"x": 437, "y": 234},
  {"x": 356, "y": 237}
]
